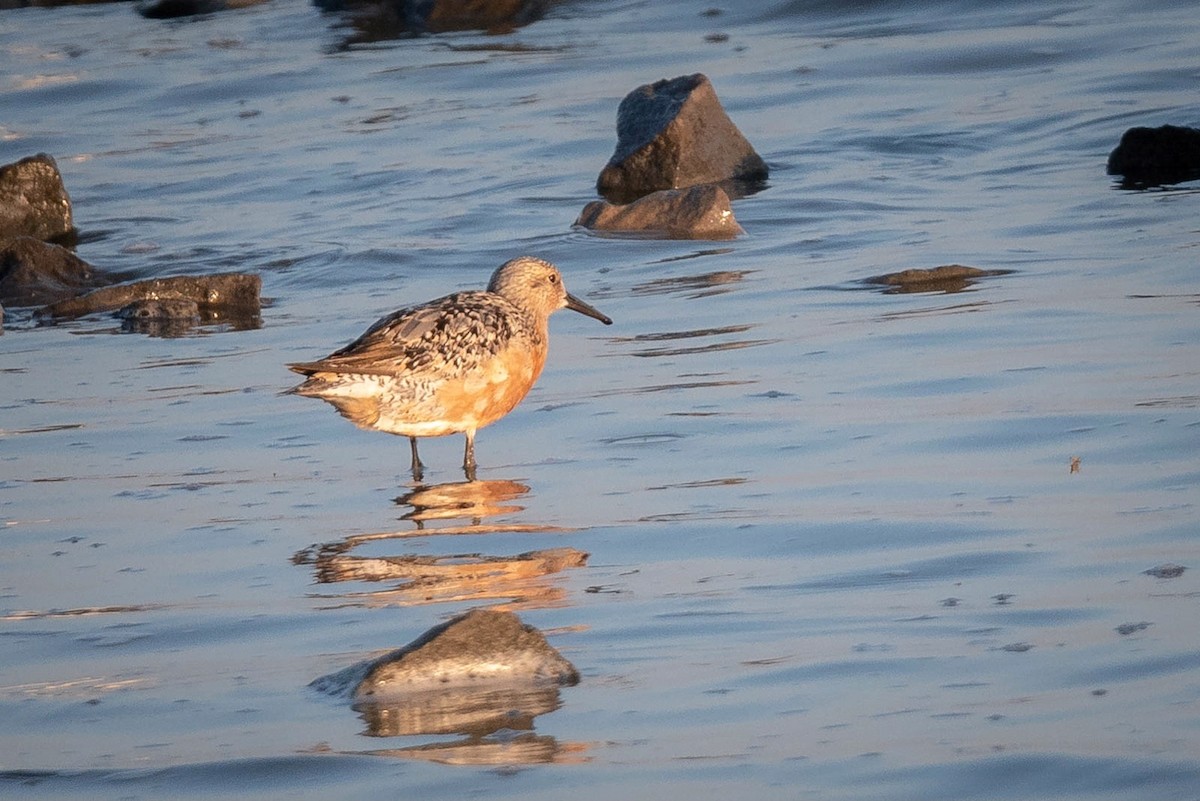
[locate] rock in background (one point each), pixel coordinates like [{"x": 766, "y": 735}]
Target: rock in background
[
  {"x": 698, "y": 212},
  {"x": 34, "y": 201},
  {"x": 673, "y": 134}
]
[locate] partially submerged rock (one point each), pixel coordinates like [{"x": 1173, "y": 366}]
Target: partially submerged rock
[
  {"x": 379, "y": 20},
  {"x": 1168, "y": 154},
  {"x": 34, "y": 201},
  {"x": 478, "y": 648},
  {"x": 173, "y": 9},
  {"x": 159, "y": 317},
  {"x": 439, "y": 16},
  {"x": 698, "y": 212},
  {"x": 673, "y": 134},
  {"x": 34, "y": 273},
  {"x": 947, "y": 278},
  {"x": 235, "y": 294}
]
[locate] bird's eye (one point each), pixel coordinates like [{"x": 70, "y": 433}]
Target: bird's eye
[{"x": 553, "y": 278}]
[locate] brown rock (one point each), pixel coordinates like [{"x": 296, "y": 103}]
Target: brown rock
[
  {"x": 479, "y": 647},
  {"x": 947, "y": 278},
  {"x": 34, "y": 201},
  {"x": 698, "y": 212},
  {"x": 673, "y": 134},
  {"x": 229, "y": 293},
  {"x": 33, "y": 272}
]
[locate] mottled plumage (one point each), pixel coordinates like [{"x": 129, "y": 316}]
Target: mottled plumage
[{"x": 453, "y": 365}]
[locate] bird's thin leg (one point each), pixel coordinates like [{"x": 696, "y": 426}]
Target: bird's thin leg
[
  {"x": 418, "y": 469},
  {"x": 469, "y": 456}
]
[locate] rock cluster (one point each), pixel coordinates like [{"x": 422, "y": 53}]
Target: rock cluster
[
  {"x": 36, "y": 270},
  {"x": 674, "y": 135}
]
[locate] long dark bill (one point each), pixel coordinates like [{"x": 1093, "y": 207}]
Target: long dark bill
[{"x": 575, "y": 304}]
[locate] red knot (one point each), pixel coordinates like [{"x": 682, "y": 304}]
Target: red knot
[{"x": 449, "y": 366}]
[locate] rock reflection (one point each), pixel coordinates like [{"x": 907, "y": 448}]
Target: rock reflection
[
  {"x": 522, "y": 749},
  {"x": 472, "y": 711},
  {"x": 484, "y": 675}
]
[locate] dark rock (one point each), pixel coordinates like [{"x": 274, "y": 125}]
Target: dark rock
[
  {"x": 673, "y": 134},
  {"x": 440, "y": 16},
  {"x": 947, "y": 278},
  {"x": 698, "y": 212},
  {"x": 479, "y": 648},
  {"x": 33, "y": 272},
  {"x": 34, "y": 201},
  {"x": 227, "y": 293},
  {"x": 1145, "y": 157},
  {"x": 173, "y": 9},
  {"x": 380, "y": 20}
]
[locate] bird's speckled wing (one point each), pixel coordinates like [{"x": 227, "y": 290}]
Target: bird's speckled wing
[{"x": 449, "y": 336}]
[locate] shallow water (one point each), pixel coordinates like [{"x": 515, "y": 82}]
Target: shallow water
[{"x": 837, "y": 549}]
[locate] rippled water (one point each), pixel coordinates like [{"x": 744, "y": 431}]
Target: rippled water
[{"x": 837, "y": 546}]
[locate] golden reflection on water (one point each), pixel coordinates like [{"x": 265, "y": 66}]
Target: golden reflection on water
[
  {"x": 495, "y": 721},
  {"x": 507, "y": 581}
]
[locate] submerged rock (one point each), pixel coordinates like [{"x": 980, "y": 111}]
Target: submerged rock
[
  {"x": 173, "y": 9},
  {"x": 33, "y": 272},
  {"x": 380, "y": 20},
  {"x": 1169, "y": 154},
  {"x": 673, "y": 134},
  {"x": 159, "y": 317},
  {"x": 481, "y": 647},
  {"x": 947, "y": 278},
  {"x": 235, "y": 294},
  {"x": 439, "y": 16},
  {"x": 698, "y": 212},
  {"x": 34, "y": 201}
]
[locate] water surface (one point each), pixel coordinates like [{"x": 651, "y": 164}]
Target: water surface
[{"x": 836, "y": 545}]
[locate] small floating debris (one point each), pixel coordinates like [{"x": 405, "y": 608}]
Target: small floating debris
[{"x": 1132, "y": 628}]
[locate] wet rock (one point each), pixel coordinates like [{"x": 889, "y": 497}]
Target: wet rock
[
  {"x": 1145, "y": 157},
  {"x": 673, "y": 134},
  {"x": 698, "y": 212},
  {"x": 947, "y": 278},
  {"x": 34, "y": 201},
  {"x": 235, "y": 294},
  {"x": 173, "y": 9},
  {"x": 33, "y": 272},
  {"x": 481, "y": 647}
]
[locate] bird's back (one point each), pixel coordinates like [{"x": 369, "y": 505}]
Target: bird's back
[{"x": 455, "y": 363}]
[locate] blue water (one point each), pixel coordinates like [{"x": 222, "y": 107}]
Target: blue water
[{"x": 836, "y": 546}]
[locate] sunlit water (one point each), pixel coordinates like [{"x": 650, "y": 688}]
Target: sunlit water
[{"x": 837, "y": 548}]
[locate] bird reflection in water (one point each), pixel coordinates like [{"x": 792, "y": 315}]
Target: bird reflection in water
[{"x": 518, "y": 581}]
